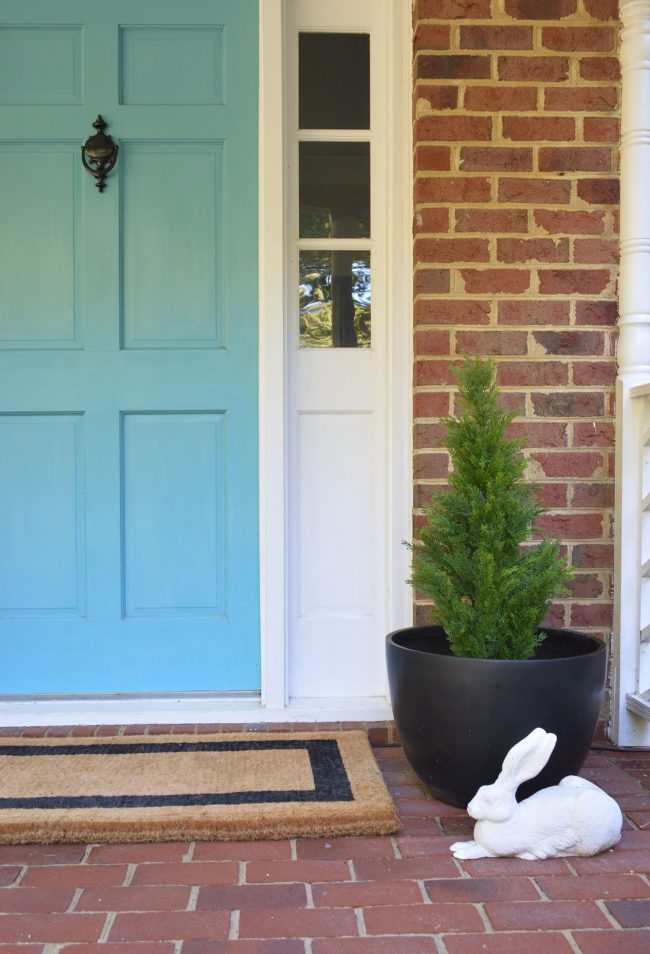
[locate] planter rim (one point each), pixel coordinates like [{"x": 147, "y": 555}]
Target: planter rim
[{"x": 598, "y": 646}]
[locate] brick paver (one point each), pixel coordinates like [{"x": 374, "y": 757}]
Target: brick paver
[{"x": 395, "y": 895}]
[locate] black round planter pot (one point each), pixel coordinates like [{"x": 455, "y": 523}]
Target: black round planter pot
[{"x": 457, "y": 717}]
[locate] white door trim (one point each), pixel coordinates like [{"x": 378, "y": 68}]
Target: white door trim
[{"x": 273, "y": 704}]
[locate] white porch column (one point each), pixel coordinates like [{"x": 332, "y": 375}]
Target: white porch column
[{"x": 633, "y": 365}]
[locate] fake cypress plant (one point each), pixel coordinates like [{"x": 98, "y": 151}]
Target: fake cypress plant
[{"x": 490, "y": 593}]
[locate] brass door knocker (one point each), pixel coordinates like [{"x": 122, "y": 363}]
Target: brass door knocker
[{"x": 99, "y": 153}]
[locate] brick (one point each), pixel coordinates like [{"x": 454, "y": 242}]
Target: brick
[
  {"x": 600, "y": 68},
  {"x": 277, "y": 872},
  {"x": 496, "y": 38},
  {"x": 570, "y": 342},
  {"x": 421, "y": 866},
  {"x": 569, "y": 464},
  {"x": 571, "y": 526},
  {"x": 582, "y": 586},
  {"x": 41, "y": 854},
  {"x": 374, "y": 945},
  {"x": 494, "y": 280},
  {"x": 432, "y": 158},
  {"x": 431, "y": 342},
  {"x": 591, "y": 39},
  {"x": 528, "y": 312},
  {"x": 573, "y": 223},
  {"x": 452, "y": 9},
  {"x": 289, "y": 922},
  {"x": 244, "y": 896},
  {"x": 511, "y": 250},
  {"x": 591, "y": 99},
  {"x": 501, "y": 943},
  {"x": 594, "y": 434},
  {"x": 491, "y": 342},
  {"x": 451, "y": 250},
  {"x": 594, "y": 886},
  {"x": 549, "y": 191},
  {"x": 431, "y": 220},
  {"x": 453, "y": 128},
  {"x": 430, "y": 465},
  {"x": 430, "y": 372},
  {"x": 533, "y": 69},
  {"x": 539, "y": 128},
  {"x": 187, "y": 873},
  {"x": 241, "y": 851},
  {"x": 35, "y": 900},
  {"x": 360, "y": 894},
  {"x": 136, "y": 853},
  {"x": 432, "y": 98},
  {"x": 595, "y": 614},
  {"x": 534, "y": 10},
  {"x": 532, "y": 374},
  {"x": 431, "y": 36},
  {"x": 480, "y": 890},
  {"x": 450, "y": 189},
  {"x": 284, "y": 946},
  {"x": 452, "y": 66},
  {"x": 51, "y": 928},
  {"x": 623, "y": 942},
  {"x": 159, "y": 898},
  {"x": 596, "y": 312},
  {"x": 8, "y": 875},
  {"x": 430, "y": 404},
  {"x": 596, "y": 252},
  {"x": 431, "y": 281},
  {"x": 500, "y": 98},
  {"x": 491, "y": 220},
  {"x": 602, "y": 9},
  {"x": 596, "y": 555},
  {"x": 343, "y": 848},
  {"x": 599, "y": 191},
  {"x": 495, "y": 159},
  {"x": 422, "y": 919},
  {"x": 75, "y": 876},
  {"x": 172, "y": 926},
  {"x": 575, "y": 159},
  {"x": 552, "y": 495},
  {"x": 516, "y": 915},
  {"x": 154, "y": 947},
  {"x": 573, "y": 282},
  {"x": 567, "y": 404},
  {"x": 593, "y": 495},
  {"x": 592, "y": 373},
  {"x": 599, "y": 129},
  {"x": 452, "y": 312}
]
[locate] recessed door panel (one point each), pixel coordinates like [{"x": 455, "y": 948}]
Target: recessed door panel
[{"x": 40, "y": 64}]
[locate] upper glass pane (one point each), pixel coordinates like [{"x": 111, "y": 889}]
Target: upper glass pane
[
  {"x": 334, "y": 81},
  {"x": 334, "y": 190}
]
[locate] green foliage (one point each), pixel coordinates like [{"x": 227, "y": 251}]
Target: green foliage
[{"x": 490, "y": 592}]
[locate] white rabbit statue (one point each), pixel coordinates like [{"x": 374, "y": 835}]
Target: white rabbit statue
[{"x": 572, "y": 818}]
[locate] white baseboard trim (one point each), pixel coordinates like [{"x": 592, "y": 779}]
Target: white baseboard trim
[{"x": 179, "y": 710}]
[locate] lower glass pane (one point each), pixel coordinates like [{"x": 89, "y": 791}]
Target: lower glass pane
[{"x": 334, "y": 299}]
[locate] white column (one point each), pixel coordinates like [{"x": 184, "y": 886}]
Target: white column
[{"x": 633, "y": 359}]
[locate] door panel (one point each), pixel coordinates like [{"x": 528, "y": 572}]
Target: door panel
[{"x": 128, "y": 348}]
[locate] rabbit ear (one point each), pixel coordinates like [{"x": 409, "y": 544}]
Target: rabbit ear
[{"x": 527, "y": 758}]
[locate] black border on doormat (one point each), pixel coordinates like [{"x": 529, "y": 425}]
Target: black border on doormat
[{"x": 330, "y": 777}]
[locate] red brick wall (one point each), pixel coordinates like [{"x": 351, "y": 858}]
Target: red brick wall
[{"x": 515, "y": 155}]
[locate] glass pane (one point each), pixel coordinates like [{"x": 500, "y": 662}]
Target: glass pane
[
  {"x": 334, "y": 295},
  {"x": 334, "y": 78},
  {"x": 334, "y": 189}
]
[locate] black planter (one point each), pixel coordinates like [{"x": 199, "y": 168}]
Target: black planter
[{"x": 457, "y": 717}]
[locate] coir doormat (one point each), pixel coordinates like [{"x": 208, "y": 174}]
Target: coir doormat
[{"x": 169, "y": 788}]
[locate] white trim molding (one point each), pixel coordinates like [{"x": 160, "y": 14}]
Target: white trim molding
[{"x": 631, "y": 650}]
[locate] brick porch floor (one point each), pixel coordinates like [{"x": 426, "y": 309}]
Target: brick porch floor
[{"x": 400, "y": 895}]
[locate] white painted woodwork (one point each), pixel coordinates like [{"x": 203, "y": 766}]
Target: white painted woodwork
[{"x": 631, "y": 662}]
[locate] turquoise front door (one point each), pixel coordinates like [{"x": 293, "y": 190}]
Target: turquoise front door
[{"x": 128, "y": 348}]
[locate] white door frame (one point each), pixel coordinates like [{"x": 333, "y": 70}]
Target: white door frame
[{"x": 273, "y": 704}]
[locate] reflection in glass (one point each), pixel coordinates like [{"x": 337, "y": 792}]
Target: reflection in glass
[
  {"x": 334, "y": 296},
  {"x": 334, "y": 81},
  {"x": 334, "y": 189}
]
